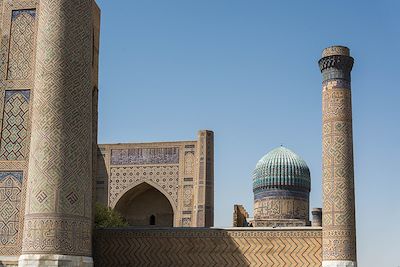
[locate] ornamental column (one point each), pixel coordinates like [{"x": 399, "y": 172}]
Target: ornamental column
[
  {"x": 58, "y": 225},
  {"x": 339, "y": 228}
]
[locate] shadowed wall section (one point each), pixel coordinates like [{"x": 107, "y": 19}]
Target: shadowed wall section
[
  {"x": 208, "y": 247},
  {"x": 144, "y": 205}
]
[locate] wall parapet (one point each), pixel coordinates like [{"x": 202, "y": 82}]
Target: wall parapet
[{"x": 243, "y": 246}]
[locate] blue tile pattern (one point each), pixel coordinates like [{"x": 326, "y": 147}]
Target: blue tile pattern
[
  {"x": 144, "y": 156},
  {"x": 281, "y": 169},
  {"x": 18, "y": 175},
  {"x": 16, "y": 13}
]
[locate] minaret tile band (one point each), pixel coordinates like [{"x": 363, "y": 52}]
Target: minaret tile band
[
  {"x": 339, "y": 232},
  {"x": 59, "y": 195}
]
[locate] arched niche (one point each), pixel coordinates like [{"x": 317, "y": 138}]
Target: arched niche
[{"x": 144, "y": 205}]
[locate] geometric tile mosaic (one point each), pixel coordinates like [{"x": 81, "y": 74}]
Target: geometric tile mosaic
[
  {"x": 10, "y": 206},
  {"x": 21, "y": 44},
  {"x": 15, "y": 125},
  {"x": 59, "y": 187},
  {"x": 339, "y": 233},
  {"x": 140, "y": 156},
  {"x": 125, "y": 178}
]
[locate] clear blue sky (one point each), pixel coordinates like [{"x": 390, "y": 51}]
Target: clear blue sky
[{"x": 248, "y": 71}]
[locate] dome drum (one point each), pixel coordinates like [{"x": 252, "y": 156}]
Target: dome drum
[
  {"x": 281, "y": 194},
  {"x": 281, "y": 208}
]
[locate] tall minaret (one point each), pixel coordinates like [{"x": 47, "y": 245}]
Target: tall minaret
[
  {"x": 339, "y": 227},
  {"x": 58, "y": 224}
]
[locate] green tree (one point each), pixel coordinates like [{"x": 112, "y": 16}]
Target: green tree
[{"x": 107, "y": 217}]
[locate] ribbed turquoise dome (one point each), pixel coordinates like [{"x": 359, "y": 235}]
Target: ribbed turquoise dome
[{"x": 281, "y": 169}]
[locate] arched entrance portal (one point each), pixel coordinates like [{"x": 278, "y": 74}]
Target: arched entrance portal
[{"x": 144, "y": 205}]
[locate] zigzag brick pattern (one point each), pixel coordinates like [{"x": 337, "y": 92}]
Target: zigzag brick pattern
[{"x": 208, "y": 247}]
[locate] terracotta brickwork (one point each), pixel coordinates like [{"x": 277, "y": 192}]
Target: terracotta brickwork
[
  {"x": 281, "y": 211},
  {"x": 10, "y": 209},
  {"x": 181, "y": 171},
  {"x": 59, "y": 198},
  {"x": 204, "y": 188},
  {"x": 23, "y": 68},
  {"x": 208, "y": 247},
  {"x": 18, "y": 45},
  {"x": 339, "y": 233},
  {"x": 240, "y": 216}
]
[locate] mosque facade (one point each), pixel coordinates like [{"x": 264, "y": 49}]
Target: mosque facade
[
  {"x": 52, "y": 170},
  {"x": 164, "y": 184}
]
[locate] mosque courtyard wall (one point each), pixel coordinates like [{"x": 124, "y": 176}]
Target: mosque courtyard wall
[{"x": 288, "y": 246}]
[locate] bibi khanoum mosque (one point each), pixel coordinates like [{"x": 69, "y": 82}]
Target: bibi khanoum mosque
[{"x": 52, "y": 170}]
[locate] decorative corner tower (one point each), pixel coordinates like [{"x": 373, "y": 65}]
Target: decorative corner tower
[
  {"x": 58, "y": 214},
  {"x": 204, "y": 196},
  {"x": 339, "y": 228}
]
